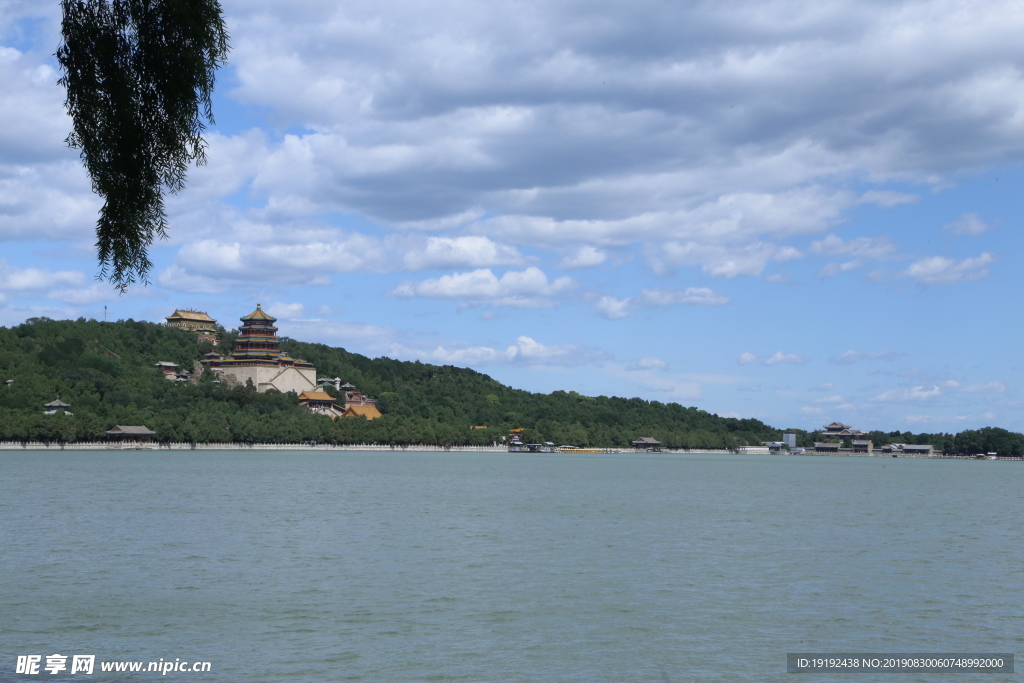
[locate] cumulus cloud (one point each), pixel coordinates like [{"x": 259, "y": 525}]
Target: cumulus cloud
[
  {"x": 284, "y": 311},
  {"x": 584, "y": 257},
  {"x": 526, "y": 288},
  {"x": 781, "y": 358},
  {"x": 939, "y": 270},
  {"x": 83, "y": 296},
  {"x": 994, "y": 387},
  {"x": 746, "y": 358},
  {"x": 531, "y": 352},
  {"x": 859, "y": 252},
  {"x": 648, "y": 363},
  {"x": 919, "y": 393},
  {"x": 460, "y": 252},
  {"x": 613, "y": 308},
  {"x": 967, "y": 224},
  {"x": 852, "y": 356},
  {"x": 888, "y": 198},
  {"x": 830, "y": 399},
  {"x": 14, "y": 279},
  {"x": 708, "y": 133}
]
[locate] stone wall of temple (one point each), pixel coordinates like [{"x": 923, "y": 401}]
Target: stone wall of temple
[{"x": 265, "y": 378}]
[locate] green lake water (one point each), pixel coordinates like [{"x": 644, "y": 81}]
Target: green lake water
[{"x": 357, "y": 566}]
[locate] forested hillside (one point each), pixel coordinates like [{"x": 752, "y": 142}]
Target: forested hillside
[{"x": 106, "y": 372}]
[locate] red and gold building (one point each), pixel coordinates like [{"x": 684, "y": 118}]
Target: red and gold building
[{"x": 258, "y": 358}]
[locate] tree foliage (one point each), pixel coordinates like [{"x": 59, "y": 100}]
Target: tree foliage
[
  {"x": 139, "y": 76},
  {"x": 107, "y": 372}
]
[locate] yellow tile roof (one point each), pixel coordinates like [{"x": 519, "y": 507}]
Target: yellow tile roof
[
  {"x": 191, "y": 315},
  {"x": 258, "y": 314},
  {"x": 315, "y": 396},
  {"x": 369, "y": 412}
]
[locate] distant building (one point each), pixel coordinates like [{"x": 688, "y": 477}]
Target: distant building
[
  {"x": 915, "y": 449},
  {"x": 199, "y": 322},
  {"x": 257, "y": 358},
  {"x": 646, "y": 443},
  {"x": 370, "y": 412},
  {"x": 130, "y": 434},
  {"x": 354, "y": 399},
  {"x": 826, "y": 448},
  {"x": 58, "y": 406},
  {"x": 862, "y": 446},
  {"x": 8, "y": 382},
  {"x": 773, "y": 446},
  {"x": 321, "y": 403},
  {"x": 172, "y": 373},
  {"x": 789, "y": 439},
  {"x": 838, "y": 429}
]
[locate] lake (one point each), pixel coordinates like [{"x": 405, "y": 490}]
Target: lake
[{"x": 358, "y": 566}]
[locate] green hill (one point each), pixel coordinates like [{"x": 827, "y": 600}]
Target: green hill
[{"x": 107, "y": 372}]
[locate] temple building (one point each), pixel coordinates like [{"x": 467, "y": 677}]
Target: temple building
[
  {"x": 320, "y": 403},
  {"x": 199, "y": 322},
  {"x": 355, "y": 404},
  {"x": 258, "y": 358},
  {"x": 838, "y": 429},
  {"x": 58, "y": 406}
]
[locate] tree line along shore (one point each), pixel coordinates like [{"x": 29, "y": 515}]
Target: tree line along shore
[{"x": 106, "y": 372}]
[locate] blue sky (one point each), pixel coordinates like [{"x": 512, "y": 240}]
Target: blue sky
[{"x": 800, "y": 212}]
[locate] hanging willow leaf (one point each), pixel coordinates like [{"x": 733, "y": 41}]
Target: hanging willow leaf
[{"x": 139, "y": 75}]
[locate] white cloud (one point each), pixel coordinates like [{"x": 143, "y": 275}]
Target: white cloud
[
  {"x": 918, "y": 393},
  {"x": 693, "y": 296},
  {"x": 95, "y": 293},
  {"x": 13, "y": 279},
  {"x": 785, "y": 359},
  {"x": 888, "y": 198},
  {"x": 613, "y": 308},
  {"x": 861, "y": 249},
  {"x": 531, "y": 352},
  {"x": 852, "y": 356},
  {"x": 584, "y": 257},
  {"x": 939, "y": 270},
  {"x": 284, "y": 311},
  {"x": 648, "y": 363},
  {"x": 827, "y": 386},
  {"x": 718, "y": 260},
  {"x": 967, "y": 224},
  {"x": 993, "y": 387},
  {"x": 830, "y": 399},
  {"x": 810, "y": 410},
  {"x": 526, "y": 288},
  {"x": 746, "y": 358},
  {"x": 472, "y": 251}
]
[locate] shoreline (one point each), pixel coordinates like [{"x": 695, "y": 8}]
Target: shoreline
[{"x": 425, "y": 448}]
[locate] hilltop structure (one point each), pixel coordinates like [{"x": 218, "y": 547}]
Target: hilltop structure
[
  {"x": 355, "y": 404},
  {"x": 199, "y": 322},
  {"x": 257, "y": 358}
]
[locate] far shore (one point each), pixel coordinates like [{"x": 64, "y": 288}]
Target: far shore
[{"x": 186, "y": 446}]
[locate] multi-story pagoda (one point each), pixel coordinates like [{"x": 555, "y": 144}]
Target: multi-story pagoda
[{"x": 257, "y": 358}]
